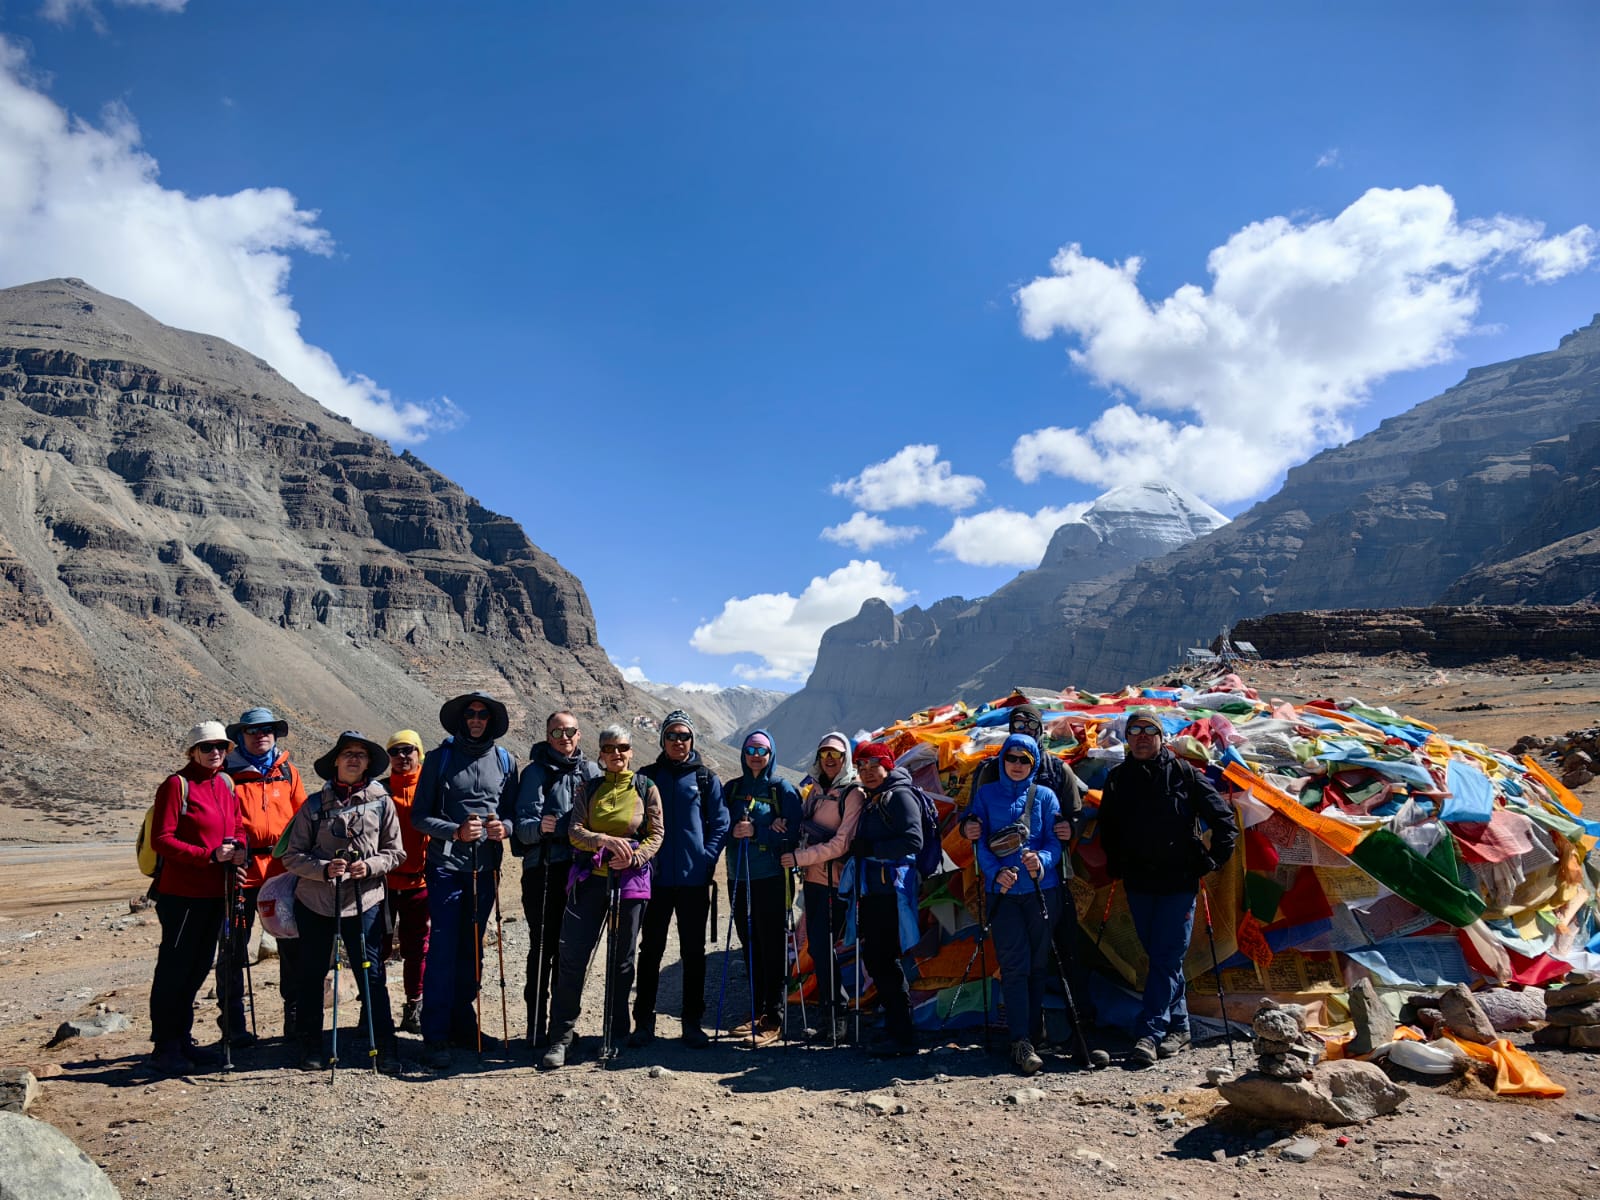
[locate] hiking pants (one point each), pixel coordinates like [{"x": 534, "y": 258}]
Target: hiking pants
[
  {"x": 762, "y": 934},
  {"x": 410, "y": 909},
  {"x": 544, "y": 896},
  {"x": 583, "y": 932},
  {"x": 363, "y": 943},
  {"x": 233, "y": 986},
  {"x": 692, "y": 904},
  {"x": 1163, "y": 923},
  {"x": 1069, "y": 953},
  {"x": 190, "y": 927},
  {"x": 880, "y": 951},
  {"x": 450, "y": 976},
  {"x": 1022, "y": 946},
  {"x": 826, "y": 911}
]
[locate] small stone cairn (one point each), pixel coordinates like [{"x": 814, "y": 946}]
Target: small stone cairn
[
  {"x": 1577, "y": 753},
  {"x": 1284, "y": 1050},
  {"x": 1573, "y": 1013}
]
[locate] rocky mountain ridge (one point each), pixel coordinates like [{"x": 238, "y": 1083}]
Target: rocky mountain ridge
[
  {"x": 1487, "y": 492},
  {"x": 720, "y": 712},
  {"x": 182, "y": 532}
]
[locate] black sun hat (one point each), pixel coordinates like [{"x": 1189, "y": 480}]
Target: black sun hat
[{"x": 377, "y": 756}]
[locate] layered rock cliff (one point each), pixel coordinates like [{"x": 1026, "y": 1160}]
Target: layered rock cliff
[
  {"x": 1489, "y": 492},
  {"x": 183, "y": 533}
]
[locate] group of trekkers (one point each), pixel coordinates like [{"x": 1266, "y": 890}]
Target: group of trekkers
[{"x": 400, "y": 851}]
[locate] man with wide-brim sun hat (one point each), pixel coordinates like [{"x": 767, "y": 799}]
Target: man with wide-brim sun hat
[
  {"x": 466, "y": 802},
  {"x": 270, "y": 791},
  {"x": 342, "y": 843}
]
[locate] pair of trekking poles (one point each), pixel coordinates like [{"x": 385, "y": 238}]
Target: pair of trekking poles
[{"x": 233, "y": 929}]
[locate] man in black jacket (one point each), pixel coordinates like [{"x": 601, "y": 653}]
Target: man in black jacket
[{"x": 1151, "y": 812}]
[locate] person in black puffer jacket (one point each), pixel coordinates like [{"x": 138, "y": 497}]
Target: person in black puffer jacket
[{"x": 1151, "y": 812}]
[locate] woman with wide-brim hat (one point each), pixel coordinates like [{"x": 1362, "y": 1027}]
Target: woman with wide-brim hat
[
  {"x": 341, "y": 844},
  {"x": 194, "y": 830}
]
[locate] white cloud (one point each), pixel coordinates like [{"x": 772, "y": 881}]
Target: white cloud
[
  {"x": 784, "y": 630},
  {"x": 1328, "y": 158},
  {"x": 633, "y": 673},
  {"x": 915, "y": 475},
  {"x": 868, "y": 533},
  {"x": 1003, "y": 538},
  {"x": 77, "y": 199},
  {"x": 1302, "y": 319},
  {"x": 63, "y": 11}
]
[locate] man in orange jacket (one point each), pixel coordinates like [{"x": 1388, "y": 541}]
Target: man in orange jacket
[
  {"x": 269, "y": 791},
  {"x": 408, "y": 885}
]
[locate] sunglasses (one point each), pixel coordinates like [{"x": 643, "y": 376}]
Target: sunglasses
[
  {"x": 616, "y": 748},
  {"x": 257, "y": 730},
  {"x": 679, "y": 737},
  {"x": 402, "y": 752},
  {"x": 477, "y": 714},
  {"x": 875, "y": 763},
  {"x": 830, "y": 753},
  {"x": 1019, "y": 758},
  {"x": 212, "y": 747},
  {"x": 757, "y": 751},
  {"x": 1144, "y": 731},
  {"x": 563, "y": 732}
]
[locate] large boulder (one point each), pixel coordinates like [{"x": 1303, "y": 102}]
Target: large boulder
[
  {"x": 38, "y": 1161},
  {"x": 1512, "y": 1010},
  {"x": 1579, "y": 990},
  {"x": 1465, "y": 1016},
  {"x": 1577, "y": 1014},
  {"x": 1375, "y": 1024},
  {"x": 1345, "y": 1092}
]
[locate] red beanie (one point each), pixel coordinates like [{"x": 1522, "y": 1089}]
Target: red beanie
[{"x": 875, "y": 751}]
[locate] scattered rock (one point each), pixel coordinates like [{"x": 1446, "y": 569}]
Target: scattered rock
[
  {"x": 40, "y": 1160},
  {"x": 267, "y": 947},
  {"x": 1577, "y": 1014},
  {"x": 1338, "y": 1093},
  {"x": 1375, "y": 1024},
  {"x": 103, "y": 1022},
  {"x": 1592, "y": 1118},
  {"x": 1217, "y": 1075},
  {"x": 1093, "y": 1157},
  {"x": 660, "y": 1072},
  {"x": 1584, "y": 1037},
  {"x": 1512, "y": 1010},
  {"x": 1300, "y": 1150},
  {"x": 1465, "y": 1016},
  {"x": 885, "y": 1106},
  {"x": 1027, "y": 1095},
  {"x": 1543, "y": 1138},
  {"x": 138, "y": 904},
  {"x": 18, "y": 1090},
  {"x": 1552, "y": 1035},
  {"x": 1572, "y": 993}
]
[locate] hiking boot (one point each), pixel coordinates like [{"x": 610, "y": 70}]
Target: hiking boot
[
  {"x": 889, "y": 1046},
  {"x": 1024, "y": 1058},
  {"x": 1144, "y": 1053},
  {"x": 411, "y": 1017},
  {"x": 436, "y": 1056},
  {"x": 743, "y": 1030},
  {"x": 200, "y": 1056},
  {"x": 389, "y": 1060},
  {"x": 554, "y": 1058},
  {"x": 312, "y": 1058},
  {"x": 1176, "y": 1041},
  {"x": 244, "y": 1040},
  {"x": 169, "y": 1059},
  {"x": 695, "y": 1038},
  {"x": 643, "y": 1034}
]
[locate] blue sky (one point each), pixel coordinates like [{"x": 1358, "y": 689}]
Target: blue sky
[{"x": 662, "y": 281}]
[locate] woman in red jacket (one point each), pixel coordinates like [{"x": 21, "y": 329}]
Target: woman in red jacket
[{"x": 195, "y": 833}]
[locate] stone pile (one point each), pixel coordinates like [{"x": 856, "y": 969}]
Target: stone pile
[
  {"x": 1284, "y": 1050},
  {"x": 1573, "y": 1013},
  {"x": 1577, "y": 753}
]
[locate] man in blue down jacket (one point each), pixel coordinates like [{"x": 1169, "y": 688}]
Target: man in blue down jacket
[
  {"x": 1151, "y": 812},
  {"x": 694, "y": 828}
]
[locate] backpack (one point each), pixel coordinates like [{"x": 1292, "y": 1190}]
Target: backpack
[
  {"x": 930, "y": 859},
  {"x": 149, "y": 860}
]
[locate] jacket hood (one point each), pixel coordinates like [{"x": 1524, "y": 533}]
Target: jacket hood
[
  {"x": 847, "y": 772},
  {"x": 689, "y": 764},
  {"x": 238, "y": 766},
  {"x": 765, "y": 773},
  {"x": 450, "y": 716},
  {"x": 547, "y": 755},
  {"x": 1018, "y": 741}
]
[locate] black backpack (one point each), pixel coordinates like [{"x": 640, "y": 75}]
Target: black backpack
[{"x": 930, "y": 859}]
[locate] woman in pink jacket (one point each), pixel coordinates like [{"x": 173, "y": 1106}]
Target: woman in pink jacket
[{"x": 831, "y": 800}]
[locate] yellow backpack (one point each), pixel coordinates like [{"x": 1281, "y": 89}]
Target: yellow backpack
[{"x": 149, "y": 860}]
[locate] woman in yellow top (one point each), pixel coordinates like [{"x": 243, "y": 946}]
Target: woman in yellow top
[{"x": 615, "y": 830}]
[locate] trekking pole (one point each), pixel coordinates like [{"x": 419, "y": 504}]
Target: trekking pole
[
  {"x": 249, "y": 978},
  {"x": 608, "y": 1006},
  {"x": 1216, "y": 972},
  {"x": 1086, "y": 1057},
  {"x": 727, "y": 953},
  {"x": 749, "y": 937},
  {"x": 983, "y": 942},
  {"x": 859, "y": 869},
  {"x": 477, "y": 962},
  {"x": 794, "y": 944},
  {"x": 1105, "y": 915},
  {"x": 333, "y": 1058},
  {"x": 543, "y": 890},
  {"x": 225, "y": 956},
  {"x": 500, "y": 946},
  {"x": 365, "y": 982},
  {"x": 966, "y": 972}
]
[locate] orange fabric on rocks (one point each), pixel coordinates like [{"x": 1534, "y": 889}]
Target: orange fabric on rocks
[{"x": 1515, "y": 1073}]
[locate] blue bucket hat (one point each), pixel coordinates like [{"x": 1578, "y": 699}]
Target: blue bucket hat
[{"x": 252, "y": 717}]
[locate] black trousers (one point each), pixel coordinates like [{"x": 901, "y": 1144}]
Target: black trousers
[
  {"x": 826, "y": 911},
  {"x": 544, "y": 896},
  {"x": 231, "y": 974},
  {"x": 758, "y": 906},
  {"x": 583, "y": 931},
  {"x": 692, "y": 904},
  {"x": 880, "y": 951},
  {"x": 189, "y": 931},
  {"x": 1064, "y": 937},
  {"x": 363, "y": 942}
]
